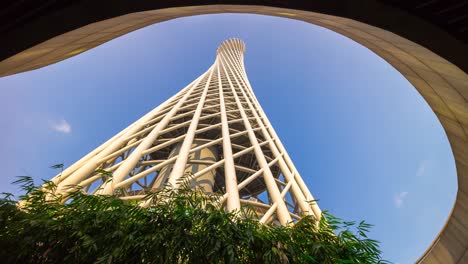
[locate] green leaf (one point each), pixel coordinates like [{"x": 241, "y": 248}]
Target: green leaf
[{"x": 57, "y": 166}]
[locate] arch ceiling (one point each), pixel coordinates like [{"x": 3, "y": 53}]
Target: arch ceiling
[{"x": 425, "y": 40}]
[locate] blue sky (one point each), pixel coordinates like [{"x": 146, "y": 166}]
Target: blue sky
[{"x": 366, "y": 143}]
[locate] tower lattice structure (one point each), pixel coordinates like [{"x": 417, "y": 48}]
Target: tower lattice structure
[{"x": 213, "y": 131}]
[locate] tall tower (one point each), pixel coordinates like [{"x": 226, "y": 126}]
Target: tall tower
[{"x": 213, "y": 131}]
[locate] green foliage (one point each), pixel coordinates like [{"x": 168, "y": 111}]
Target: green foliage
[{"x": 182, "y": 226}]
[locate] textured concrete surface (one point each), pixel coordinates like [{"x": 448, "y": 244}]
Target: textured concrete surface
[{"x": 442, "y": 84}]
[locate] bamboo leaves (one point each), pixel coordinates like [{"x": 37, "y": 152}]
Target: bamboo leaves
[{"x": 178, "y": 226}]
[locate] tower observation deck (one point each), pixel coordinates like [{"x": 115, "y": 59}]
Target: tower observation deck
[{"x": 214, "y": 134}]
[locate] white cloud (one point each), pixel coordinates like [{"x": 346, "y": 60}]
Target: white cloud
[
  {"x": 61, "y": 126},
  {"x": 422, "y": 168},
  {"x": 399, "y": 199}
]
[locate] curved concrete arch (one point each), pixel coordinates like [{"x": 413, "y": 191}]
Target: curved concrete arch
[{"x": 442, "y": 84}]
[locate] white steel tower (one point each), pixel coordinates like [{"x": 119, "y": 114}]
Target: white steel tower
[{"x": 213, "y": 131}]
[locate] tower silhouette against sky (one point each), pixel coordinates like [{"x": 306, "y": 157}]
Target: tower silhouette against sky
[{"x": 213, "y": 133}]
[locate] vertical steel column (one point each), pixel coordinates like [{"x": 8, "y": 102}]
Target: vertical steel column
[
  {"x": 179, "y": 166},
  {"x": 282, "y": 210},
  {"x": 300, "y": 182},
  {"x": 300, "y": 197},
  {"x": 233, "y": 202}
]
